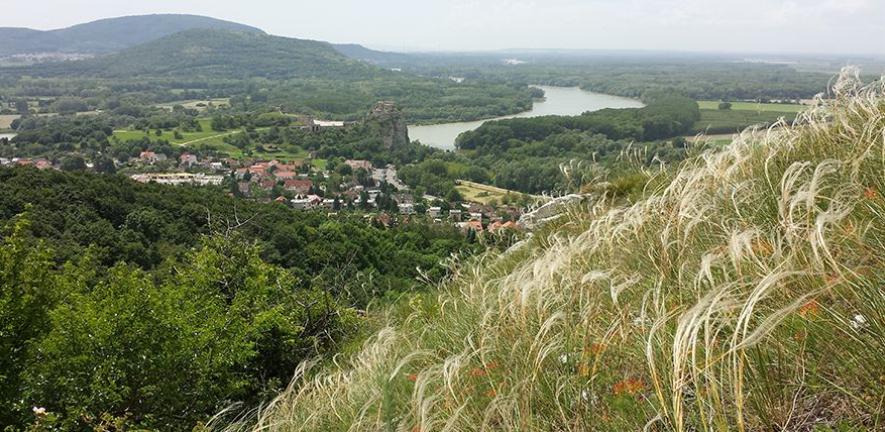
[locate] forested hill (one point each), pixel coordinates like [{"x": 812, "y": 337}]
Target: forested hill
[
  {"x": 359, "y": 52},
  {"x": 107, "y": 35},
  {"x": 217, "y": 54}
]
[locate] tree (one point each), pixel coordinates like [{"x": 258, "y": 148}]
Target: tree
[
  {"x": 73, "y": 163},
  {"x": 27, "y": 293},
  {"x": 21, "y": 107},
  {"x": 104, "y": 165},
  {"x": 454, "y": 196},
  {"x": 725, "y": 106},
  {"x": 166, "y": 350}
]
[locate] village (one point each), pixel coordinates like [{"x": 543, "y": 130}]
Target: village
[{"x": 302, "y": 185}]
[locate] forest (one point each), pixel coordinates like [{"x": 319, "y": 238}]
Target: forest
[{"x": 91, "y": 264}]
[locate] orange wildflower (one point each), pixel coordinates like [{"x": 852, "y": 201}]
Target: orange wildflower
[
  {"x": 810, "y": 309},
  {"x": 629, "y": 386},
  {"x": 477, "y": 372},
  {"x": 584, "y": 369},
  {"x": 412, "y": 377},
  {"x": 491, "y": 393},
  {"x": 596, "y": 348},
  {"x": 492, "y": 365},
  {"x": 870, "y": 193}
]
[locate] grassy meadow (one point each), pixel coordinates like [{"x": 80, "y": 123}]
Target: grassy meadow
[
  {"x": 742, "y": 292},
  {"x": 477, "y": 192},
  {"x": 209, "y": 139},
  {"x": 714, "y": 121},
  {"x": 753, "y": 106}
]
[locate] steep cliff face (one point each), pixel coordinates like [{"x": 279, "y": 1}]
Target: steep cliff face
[{"x": 391, "y": 122}]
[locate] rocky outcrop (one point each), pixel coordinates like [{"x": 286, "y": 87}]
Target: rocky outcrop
[{"x": 392, "y": 124}]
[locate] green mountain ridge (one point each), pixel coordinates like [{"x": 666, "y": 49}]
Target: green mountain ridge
[
  {"x": 218, "y": 54},
  {"x": 107, "y": 35}
]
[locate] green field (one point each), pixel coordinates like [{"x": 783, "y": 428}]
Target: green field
[
  {"x": 752, "y": 106},
  {"x": 186, "y": 137},
  {"x": 483, "y": 194},
  {"x": 209, "y": 139},
  {"x": 715, "y": 121}
]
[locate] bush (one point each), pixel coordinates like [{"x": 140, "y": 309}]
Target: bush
[{"x": 161, "y": 351}]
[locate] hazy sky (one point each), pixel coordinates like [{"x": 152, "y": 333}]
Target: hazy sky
[{"x": 818, "y": 26}]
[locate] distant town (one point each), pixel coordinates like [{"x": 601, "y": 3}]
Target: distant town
[{"x": 302, "y": 185}]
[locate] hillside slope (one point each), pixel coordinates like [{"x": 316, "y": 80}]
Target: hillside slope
[
  {"x": 220, "y": 54},
  {"x": 359, "y": 52},
  {"x": 107, "y": 35},
  {"x": 744, "y": 294}
]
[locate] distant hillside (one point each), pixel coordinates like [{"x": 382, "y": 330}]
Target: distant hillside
[
  {"x": 362, "y": 53},
  {"x": 107, "y": 35},
  {"x": 219, "y": 54}
]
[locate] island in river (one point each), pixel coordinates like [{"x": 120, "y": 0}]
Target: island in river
[{"x": 567, "y": 101}]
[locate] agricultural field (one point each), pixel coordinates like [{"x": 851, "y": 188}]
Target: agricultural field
[
  {"x": 715, "y": 121},
  {"x": 719, "y": 140},
  {"x": 753, "y": 106}
]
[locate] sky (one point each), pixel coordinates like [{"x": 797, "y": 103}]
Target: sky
[{"x": 764, "y": 26}]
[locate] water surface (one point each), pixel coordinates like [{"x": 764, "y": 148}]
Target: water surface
[{"x": 567, "y": 101}]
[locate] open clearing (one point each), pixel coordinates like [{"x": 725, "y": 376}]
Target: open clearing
[
  {"x": 205, "y": 124},
  {"x": 483, "y": 194},
  {"x": 714, "y": 122},
  {"x": 752, "y": 106},
  {"x": 211, "y": 139},
  {"x": 7, "y": 119},
  {"x": 199, "y": 105}
]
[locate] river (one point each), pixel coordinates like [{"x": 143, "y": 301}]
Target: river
[{"x": 557, "y": 101}]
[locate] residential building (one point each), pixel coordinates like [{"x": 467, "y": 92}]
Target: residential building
[
  {"x": 151, "y": 157},
  {"x": 356, "y": 164},
  {"x": 187, "y": 159},
  {"x": 407, "y": 209},
  {"x": 298, "y": 186}
]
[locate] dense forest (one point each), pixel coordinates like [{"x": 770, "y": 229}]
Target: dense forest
[{"x": 91, "y": 264}]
